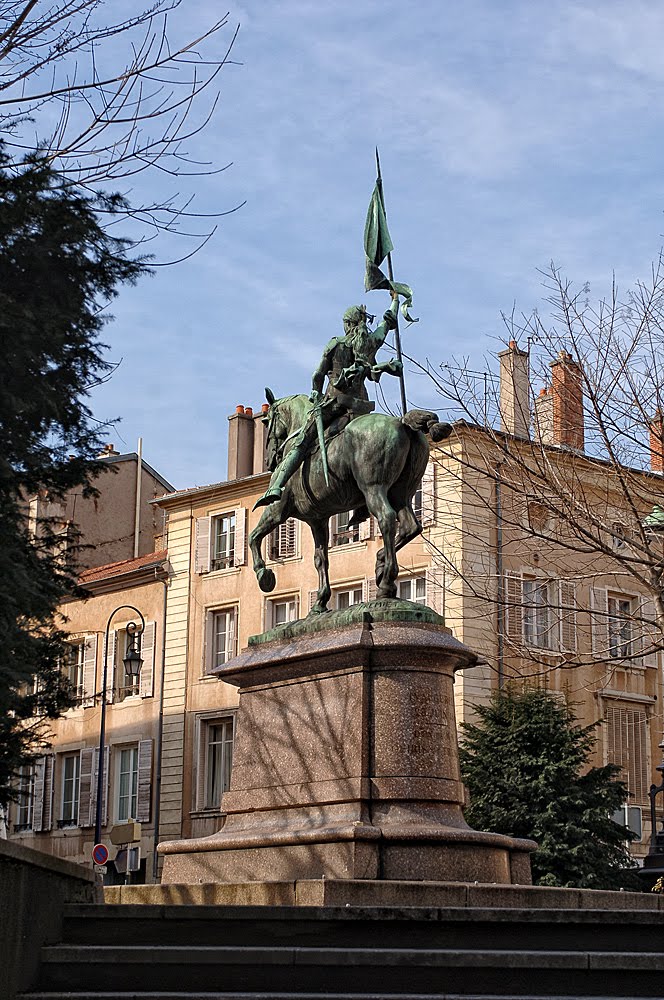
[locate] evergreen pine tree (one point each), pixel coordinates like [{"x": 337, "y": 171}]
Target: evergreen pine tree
[
  {"x": 59, "y": 268},
  {"x": 526, "y": 766}
]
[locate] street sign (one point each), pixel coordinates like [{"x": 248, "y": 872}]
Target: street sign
[{"x": 100, "y": 854}]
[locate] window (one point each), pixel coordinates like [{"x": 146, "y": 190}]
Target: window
[
  {"x": 25, "y": 793},
  {"x": 632, "y": 818},
  {"x": 417, "y": 503},
  {"x": 627, "y": 746},
  {"x": 537, "y": 616},
  {"x": 283, "y": 611},
  {"x": 127, "y": 685},
  {"x": 223, "y": 541},
  {"x": 222, "y": 637},
  {"x": 217, "y": 759},
  {"x": 346, "y": 598},
  {"x": 342, "y": 533},
  {"x": 71, "y": 777},
  {"x": 414, "y": 589},
  {"x": 283, "y": 540},
  {"x": 620, "y": 626},
  {"x": 127, "y": 784},
  {"x": 73, "y": 667}
]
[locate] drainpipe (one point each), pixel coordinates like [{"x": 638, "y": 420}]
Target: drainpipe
[
  {"x": 501, "y": 579},
  {"x": 160, "y": 737},
  {"x": 137, "y": 513}
]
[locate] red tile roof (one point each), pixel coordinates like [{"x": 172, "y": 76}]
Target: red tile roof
[{"x": 122, "y": 567}]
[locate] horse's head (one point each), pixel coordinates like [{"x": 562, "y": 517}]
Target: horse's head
[{"x": 283, "y": 419}]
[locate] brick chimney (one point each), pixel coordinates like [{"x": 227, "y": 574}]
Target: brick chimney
[
  {"x": 260, "y": 441},
  {"x": 657, "y": 443},
  {"x": 567, "y": 392},
  {"x": 514, "y": 391},
  {"x": 240, "y": 443}
]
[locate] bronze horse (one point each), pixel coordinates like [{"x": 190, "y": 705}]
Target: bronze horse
[{"x": 375, "y": 466}]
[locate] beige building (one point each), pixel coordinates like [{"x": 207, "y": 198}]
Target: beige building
[{"x": 530, "y": 604}]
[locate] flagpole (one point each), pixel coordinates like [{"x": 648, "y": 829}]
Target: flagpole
[{"x": 390, "y": 274}]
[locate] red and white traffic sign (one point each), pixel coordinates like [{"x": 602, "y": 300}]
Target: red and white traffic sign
[{"x": 100, "y": 854}]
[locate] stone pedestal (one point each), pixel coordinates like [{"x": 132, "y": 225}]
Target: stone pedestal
[{"x": 346, "y": 766}]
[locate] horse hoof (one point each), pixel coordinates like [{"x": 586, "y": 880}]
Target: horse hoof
[
  {"x": 439, "y": 431},
  {"x": 267, "y": 581}
]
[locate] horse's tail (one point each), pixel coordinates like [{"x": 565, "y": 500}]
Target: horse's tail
[{"x": 427, "y": 422}]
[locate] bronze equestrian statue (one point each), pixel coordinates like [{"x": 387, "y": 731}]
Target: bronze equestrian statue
[{"x": 330, "y": 454}]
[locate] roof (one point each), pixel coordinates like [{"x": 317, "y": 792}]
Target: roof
[
  {"x": 132, "y": 456},
  {"x": 122, "y": 568},
  {"x": 194, "y": 491}
]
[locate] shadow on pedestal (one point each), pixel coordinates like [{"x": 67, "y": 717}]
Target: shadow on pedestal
[{"x": 346, "y": 764}]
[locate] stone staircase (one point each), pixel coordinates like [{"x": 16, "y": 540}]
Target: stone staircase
[{"x": 152, "y": 952}]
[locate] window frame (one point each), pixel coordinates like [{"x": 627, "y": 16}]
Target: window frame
[
  {"x": 348, "y": 589},
  {"x": 25, "y": 802},
  {"x": 132, "y": 794},
  {"x": 340, "y": 533},
  {"x": 620, "y": 647},
  {"x": 228, "y": 558},
  {"x": 78, "y": 687},
  {"x": 413, "y": 582},
  {"x": 124, "y": 691},
  {"x": 204, "y": 775},
  {"x": 538, "y": 619},
  {"x": 74, "y": 781},
  {"x": 210, "y": 656},
  {"x": 287, "y": 600}
]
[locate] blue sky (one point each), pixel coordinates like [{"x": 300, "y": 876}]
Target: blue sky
[{"x": 511, "y": 133}]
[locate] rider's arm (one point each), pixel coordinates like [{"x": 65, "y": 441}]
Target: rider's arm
[
  {"x": 324, "y": 368},
  {"x": 389, "y": 322}
]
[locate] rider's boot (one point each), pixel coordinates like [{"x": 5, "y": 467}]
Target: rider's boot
[{"x": 281, "y": 475}]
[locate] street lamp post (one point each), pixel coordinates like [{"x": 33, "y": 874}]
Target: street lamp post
[{"x": 132, "y": 663}]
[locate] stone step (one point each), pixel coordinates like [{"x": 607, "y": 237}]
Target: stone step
[
  {"x": 271, "y": 995},
  {"x": 450, "y": 927},
  {"x": 303, "y": 970}
]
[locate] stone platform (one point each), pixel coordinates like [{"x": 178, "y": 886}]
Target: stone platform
[{"x": 346, "y": 765}]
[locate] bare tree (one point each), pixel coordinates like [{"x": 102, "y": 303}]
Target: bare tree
[
  {"x": 104, "y": 102},
  {"x": 562, "y": 456}
]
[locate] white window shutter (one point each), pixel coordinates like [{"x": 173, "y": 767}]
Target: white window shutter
[
  {"x": 144, "y": 794},
  {"x": 89, "y": 670},
  {"x": 369, "y": 589},
  {"x": 435, "y": 588},
  {"x": 110, "y": 665},
  {"x": 292, "y": 536},
  {"x": 232, "y": 634},
  {"x": 514, "y": 607},
  {"x": 85, "y": 811},
  {"x": 366, "y": 530},
  {"x": 429, "y": 495},
  {"x": 313, "y": 597},
  {"x": 567, "y": 604},
  {"x": 650, "y": 634},
  {"x": 600, "y": 620},
  {"x": 43, "y": 794},
  {"x": 147, "y": 655},
  {"x": 240, "y": 553},
  {"x": 202, "y": 545}
]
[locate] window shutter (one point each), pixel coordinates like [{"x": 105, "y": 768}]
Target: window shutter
[
  {"x": 110, "y": 665},
  {"x": 369, "y": 589},
  {"x": 429, "y": 495},
  {"x": 144, "y": 781},
  {"x": 201, "y": 765},
  {"x": 291, "y": 539},
  {"x": 600, "y": 620},
  {"x": 313, "y": 597},
  {"x": 650, "y": 634},
  {"x": 85, "y": 811},
  {"x": 514, "y": 607},
  {"x": 43, "y": 794},
  {"x": 232, "y": 634},
  {"x": 240, "y": 555},
  {"x": 567, "y": 604},
  {"x": 366, "y": 530},
  {"x": 435, "y": 584},
  {"x": 95, "y": 779},
  {"x": 202, "y": 545},
  {"x": 627, "y": 746},
  {"x": 147, "y": 654},
  {"x": 89, "y": 670}
]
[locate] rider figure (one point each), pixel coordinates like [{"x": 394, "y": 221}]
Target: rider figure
[{"x": 348, "y": 361}]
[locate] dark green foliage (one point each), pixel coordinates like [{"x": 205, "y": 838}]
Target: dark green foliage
[
  {"x": 526, "y": 766},
  {"x": 58, "y": 270}
]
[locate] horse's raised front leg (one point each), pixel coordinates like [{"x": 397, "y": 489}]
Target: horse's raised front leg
[
  {"x": 271, "y": 518},
  {"x": 387, "y": 567},
  {"x": 320, "y": 531}
]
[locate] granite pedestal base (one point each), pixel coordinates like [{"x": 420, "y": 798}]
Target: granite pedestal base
[{"x": 346, "y": 766}]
